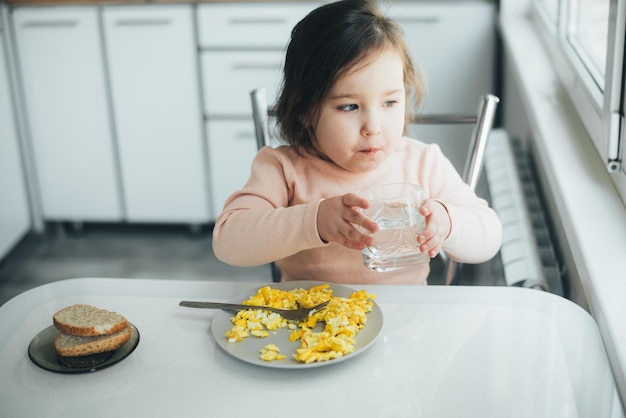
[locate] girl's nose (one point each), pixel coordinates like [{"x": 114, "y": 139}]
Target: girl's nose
[{"x": 371, "y": 124}]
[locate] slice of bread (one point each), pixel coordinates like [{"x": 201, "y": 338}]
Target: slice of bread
[
  {"x": 68, "y": 345},
  {"x": 87, "y": 320}
]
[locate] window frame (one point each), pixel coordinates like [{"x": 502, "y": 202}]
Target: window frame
[{"x": 601, "y": 111}]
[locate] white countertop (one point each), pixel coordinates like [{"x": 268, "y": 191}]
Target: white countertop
[{"x": 443, "y": 351}]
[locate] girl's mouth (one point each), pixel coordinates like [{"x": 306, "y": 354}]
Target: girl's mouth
[{"x": 369, "y": 151}]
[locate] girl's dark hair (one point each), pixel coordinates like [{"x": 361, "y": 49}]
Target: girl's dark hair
[{"x": 326, "y": 44}]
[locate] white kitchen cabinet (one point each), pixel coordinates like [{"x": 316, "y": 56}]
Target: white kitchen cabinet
[
  {"x": 241, "y": 49},
  {"x": 257, "y": 26},
  {"x": 453, "y": 42},
  {"x": 233, "y": 147},
  {"x": 14, "y": 211},
  {"x": 229, "y": 77},
  {"x": 156, "y": 100},
  {"x": 63, "y": 73}
]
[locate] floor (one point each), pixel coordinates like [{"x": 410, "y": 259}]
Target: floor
[
  {"x": 134, "y": 251},
  {"x": 143, "y": 251}
]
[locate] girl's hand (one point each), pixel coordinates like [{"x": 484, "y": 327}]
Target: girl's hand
[
  {"x": 437, "y": 227},
  {"x": 338, "y": 219}
]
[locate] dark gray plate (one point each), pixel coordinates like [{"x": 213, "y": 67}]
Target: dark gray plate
[{"x": 41, "y": 352}]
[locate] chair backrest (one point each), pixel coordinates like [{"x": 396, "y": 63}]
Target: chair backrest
[
  {"x": 483, "y": 122},
  {"x": 261, "y": 114}
]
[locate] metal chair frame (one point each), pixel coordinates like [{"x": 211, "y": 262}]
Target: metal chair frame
[{"x": 483, "y": 122}]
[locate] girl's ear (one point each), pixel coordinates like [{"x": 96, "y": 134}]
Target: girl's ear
[
  {"x": 309, "y": 119},
  {"x": 304, "y": 121}
]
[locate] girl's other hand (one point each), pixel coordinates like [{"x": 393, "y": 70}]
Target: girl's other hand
[
  {"x": 338, "y": 219},
  {"x": 437, "y": 227}
]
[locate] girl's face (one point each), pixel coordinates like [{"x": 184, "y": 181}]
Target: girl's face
[{"x": 362, "y": 119}]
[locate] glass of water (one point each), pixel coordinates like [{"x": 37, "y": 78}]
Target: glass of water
[{"x": 395, "y": 207}]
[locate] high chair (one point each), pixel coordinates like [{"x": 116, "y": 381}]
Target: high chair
[{"x": 483, "y": 122}]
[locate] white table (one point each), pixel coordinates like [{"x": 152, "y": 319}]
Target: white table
[{"x": 443, "y": 352}]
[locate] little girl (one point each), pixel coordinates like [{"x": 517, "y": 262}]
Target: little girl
[{"x": 342, "y": 109}]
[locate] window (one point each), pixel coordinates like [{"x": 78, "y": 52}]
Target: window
[
  {"x": 550, "y": 11},
  {"x": 589, "y": 59},
  {"x": 588, "y": 33}
]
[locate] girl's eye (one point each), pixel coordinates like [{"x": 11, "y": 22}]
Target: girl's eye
[
  {"x": 390, "y": 103},
  {"x": 348, "y": 107}
]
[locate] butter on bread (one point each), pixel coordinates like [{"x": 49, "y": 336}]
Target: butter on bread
[
  {"x": 68, "y": 345},
  {"x": 88, "y": 321}
]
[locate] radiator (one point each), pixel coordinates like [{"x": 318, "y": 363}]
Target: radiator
[{"x": 527, "y": 257}]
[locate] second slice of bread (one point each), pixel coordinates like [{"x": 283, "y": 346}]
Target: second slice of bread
[
  {"x": 86, "y": 320},
  {"x": 74, "y": 346}
]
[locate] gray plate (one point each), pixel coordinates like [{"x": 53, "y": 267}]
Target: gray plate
[{"x": 248, "y": 350}]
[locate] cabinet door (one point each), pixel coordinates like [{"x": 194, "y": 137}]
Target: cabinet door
[
  {"x": 232, "y": 147},
  {"x": 14, "y": 214},
  {"x": 62, "y": 67},
  {"x": 156, "y": 101},
  {"x": 453, "y": 44}
]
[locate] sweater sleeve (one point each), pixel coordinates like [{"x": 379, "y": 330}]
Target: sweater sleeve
[
  {"x": 251, "y": 237},
  {"x": 475, "y": 236},
  {"x": 258, "y": 225},
  {"x": 476, "y": 231}
]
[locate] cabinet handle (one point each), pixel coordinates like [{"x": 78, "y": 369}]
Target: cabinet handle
[
  {"x": 68, "y": 23},
  {"x": 244, "y": 135},
  {"x": 255, "y": 66},
  {"x": 257, "y": 21},
  {"x": 418, "y": 19},
  {"x": 143, "y": 22}
]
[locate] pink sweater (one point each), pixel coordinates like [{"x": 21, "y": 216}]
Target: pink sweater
[{"x": 274, "y": 217}]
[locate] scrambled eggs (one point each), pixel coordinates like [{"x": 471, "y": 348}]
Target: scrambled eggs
[
  {"x": 343, "y": 318},
  {"x": 270, "y": 352}
]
